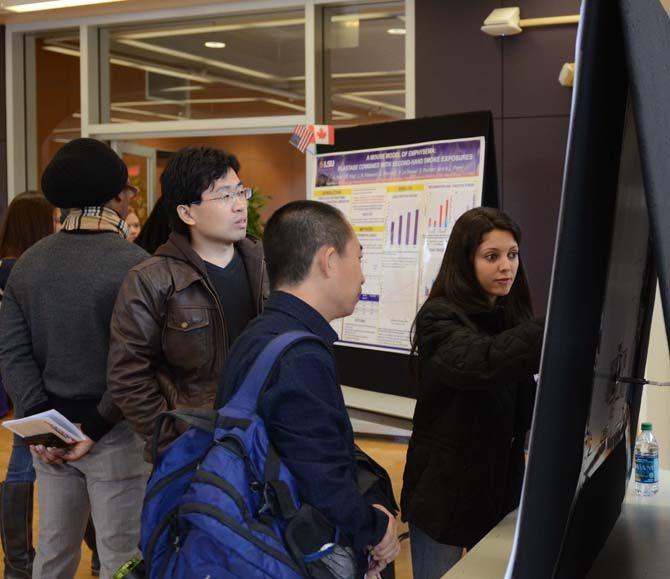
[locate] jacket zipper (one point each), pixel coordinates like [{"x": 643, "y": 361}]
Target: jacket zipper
[
  {"x": 222, "y": 319},
  {"x": 259, "y": 298}
]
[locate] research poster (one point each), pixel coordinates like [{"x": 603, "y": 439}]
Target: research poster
[{"x": 402, "y": 203}]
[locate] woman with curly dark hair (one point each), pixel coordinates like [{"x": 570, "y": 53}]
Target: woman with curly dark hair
[{"x": 478, "y": 348}]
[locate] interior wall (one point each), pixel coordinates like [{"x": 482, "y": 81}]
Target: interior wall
[
  {"x": 460, "y": 69},
  {"x": 655, "y": 400}
]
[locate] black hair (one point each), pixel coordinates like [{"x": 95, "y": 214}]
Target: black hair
[
  {"x": 294, "y": 234},
  {"x": 457, "y": 280},
  {"x": 189, "y": 173},
  {"x": 156, "y": 229}
]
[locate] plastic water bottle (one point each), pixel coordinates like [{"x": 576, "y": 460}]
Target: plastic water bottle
[{"x": 646, "y": 462}]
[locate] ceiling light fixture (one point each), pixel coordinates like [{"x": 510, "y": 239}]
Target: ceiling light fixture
[
  {"x": 215, "y": 44},
  {"x": 508, "y": 22},
  {"x": 397, "y": 31},
  {"x": 189, "y": 30},
  {"x": 37, "y": 5},
  {"x": 373, "y": 102},
  {"x": 185, "y": 88},
  {"x": 200, "y": 59},
  {"x": 363, "y": 16}
]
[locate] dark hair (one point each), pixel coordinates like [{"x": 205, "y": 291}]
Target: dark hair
[
  {"x": 294, "y": 234},
  {"x": 457, "y": 281},
  {"x": 29, "y": 218},
  {"x": 189, "y": 173},
  {"x": 156, "y": 229}
]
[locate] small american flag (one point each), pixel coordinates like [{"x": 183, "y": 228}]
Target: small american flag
[{"x": 301, "y": 137}]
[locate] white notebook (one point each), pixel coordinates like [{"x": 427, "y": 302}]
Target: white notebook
[{"x": 49, "y": 422}]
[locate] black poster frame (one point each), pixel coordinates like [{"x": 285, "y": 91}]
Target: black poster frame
[
  {"x": 389, "y": 372},
  {"x": 614, "y": 197}
]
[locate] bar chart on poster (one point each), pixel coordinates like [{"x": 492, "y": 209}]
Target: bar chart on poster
[{"x": 402, "y": 202}]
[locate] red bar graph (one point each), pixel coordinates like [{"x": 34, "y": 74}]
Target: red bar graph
[{"x": 441, "y": 219}]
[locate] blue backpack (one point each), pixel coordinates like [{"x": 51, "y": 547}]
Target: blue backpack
[{"x": 220, "y": 501}]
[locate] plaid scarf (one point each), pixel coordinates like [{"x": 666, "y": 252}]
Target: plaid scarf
[{"x": 95, "y": 219}]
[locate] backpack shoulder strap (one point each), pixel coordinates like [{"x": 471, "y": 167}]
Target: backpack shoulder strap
[
  {"x": 201, "y": 418},
  {"x": 253, "y": 385}
]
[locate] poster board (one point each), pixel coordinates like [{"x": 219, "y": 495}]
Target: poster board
[
  {"x": 402, "y": 203},
  {"x": 384, "y": 369}
]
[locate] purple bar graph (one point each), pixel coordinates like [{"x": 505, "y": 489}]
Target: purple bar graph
[
  {"x": 416, "y": 225},
  {"x": 408, "y": 237}
]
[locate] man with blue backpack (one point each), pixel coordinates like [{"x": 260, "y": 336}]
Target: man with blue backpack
[
  {"x": 278, "y": 489},
  {"x": 314, "y": 264}
]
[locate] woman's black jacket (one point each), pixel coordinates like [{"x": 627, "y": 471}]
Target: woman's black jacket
[{"x": 465, "y": 461}]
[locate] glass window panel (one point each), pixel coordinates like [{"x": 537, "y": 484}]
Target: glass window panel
[
  {"x": 223, "y": 67},
  {"x": 53, "y": 109},
  {"x": 364, "y": 63},
  {"x": 268, "y": 164}
]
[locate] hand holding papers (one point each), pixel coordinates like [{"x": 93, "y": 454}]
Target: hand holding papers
[{"x": 48, "y": 428}]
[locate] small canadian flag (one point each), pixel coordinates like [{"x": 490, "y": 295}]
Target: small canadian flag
[{"x": 323, "y": 134}]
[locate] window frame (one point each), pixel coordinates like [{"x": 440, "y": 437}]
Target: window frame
[{"x": 20, "y": 93}]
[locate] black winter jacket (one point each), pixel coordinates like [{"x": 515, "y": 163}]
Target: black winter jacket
[{"x": 465, "y": 461}]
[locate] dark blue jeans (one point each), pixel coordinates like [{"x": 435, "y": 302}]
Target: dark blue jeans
[
  {"x": 430, "y": 559},
  {"x": 20, "y": 467},
  {"x": 4, "y": 408}
]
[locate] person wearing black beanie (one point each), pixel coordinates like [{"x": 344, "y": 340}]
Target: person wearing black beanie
[
  {"x": 55, "y": 325},
  {"x": 84, "y": 173}
]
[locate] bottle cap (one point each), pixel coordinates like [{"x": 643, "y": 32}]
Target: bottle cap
[{"x": 646, "y": 426}]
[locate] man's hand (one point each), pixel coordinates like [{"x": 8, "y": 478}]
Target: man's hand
[
  {"x": 49, "y": 455},
  {"x": 387, "y": 549},
  {"x": 78, "y": 449}
]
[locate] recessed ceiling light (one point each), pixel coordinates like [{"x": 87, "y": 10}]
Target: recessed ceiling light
[
  {"x": 396, "y": 31},
  {"x": 215, "y": 44}
]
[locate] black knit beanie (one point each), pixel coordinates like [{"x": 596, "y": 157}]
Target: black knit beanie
[{"x": 84, "y": 173}]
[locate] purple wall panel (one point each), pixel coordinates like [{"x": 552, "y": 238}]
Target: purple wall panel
[
  {"x": 533, "y": 175},
  {"x": 457, "y": 67},
  {"x": 461, "y": 69}
]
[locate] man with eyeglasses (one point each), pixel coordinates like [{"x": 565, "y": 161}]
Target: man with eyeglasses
[{"x": 178, "y": 313}]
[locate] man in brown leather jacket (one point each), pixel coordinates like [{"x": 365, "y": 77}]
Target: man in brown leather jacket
[{"x": 177, "y": 313}]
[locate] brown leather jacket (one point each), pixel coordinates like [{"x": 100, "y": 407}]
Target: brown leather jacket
[{"x": 168, "y": 338}]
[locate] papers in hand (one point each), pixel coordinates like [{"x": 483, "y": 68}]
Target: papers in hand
[{"x": 49, "y": 422}]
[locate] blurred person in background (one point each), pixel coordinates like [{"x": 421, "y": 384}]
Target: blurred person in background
[
  {"x": 29, "y": 218},
  {"x": 156, "y": 228},
  {"x": 134, "y": 225}
]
